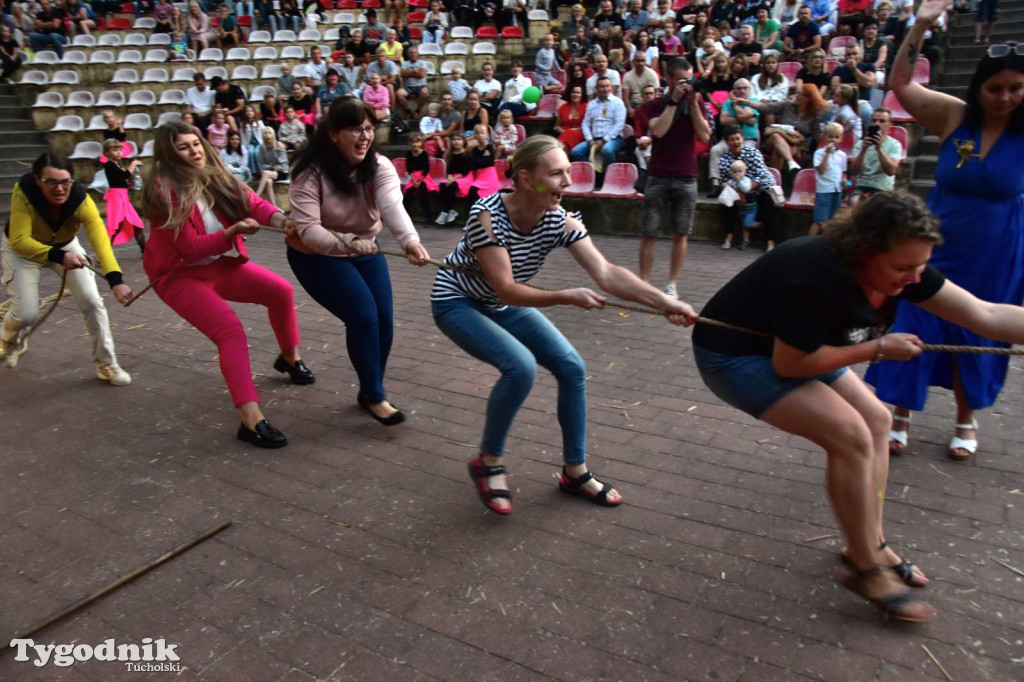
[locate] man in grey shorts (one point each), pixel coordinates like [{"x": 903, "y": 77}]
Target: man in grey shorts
[{"x": 676, "y": 122}]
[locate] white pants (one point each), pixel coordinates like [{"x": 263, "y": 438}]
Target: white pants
[
  {"x": 715, "y": 155},
  {"x": 21, "y": 279}
]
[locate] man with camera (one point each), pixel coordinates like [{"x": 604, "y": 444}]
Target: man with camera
[
  {"x": 676, "y": 122},
  {"x": 876, "y": 158}
]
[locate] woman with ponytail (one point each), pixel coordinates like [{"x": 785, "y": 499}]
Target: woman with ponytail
[{"x": 197, "y": 261}]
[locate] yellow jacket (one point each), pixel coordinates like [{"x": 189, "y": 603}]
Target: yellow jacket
[{"x": 34, "y": 235}]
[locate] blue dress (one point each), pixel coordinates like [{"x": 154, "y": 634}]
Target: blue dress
[{"x": 981, "y": 206}]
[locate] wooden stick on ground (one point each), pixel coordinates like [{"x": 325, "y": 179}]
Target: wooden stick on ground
[{"x": 124, "y": 580}]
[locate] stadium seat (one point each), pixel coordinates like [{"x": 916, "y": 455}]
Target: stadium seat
[
  {"x": 922, "y": 71},
  {"x": 456, "y": 48},
  {"x": 244, "y": 20},
  {"x": 837, "y": 47},
  {"x": 147, "y": 150},
  {"x": 160, "y": 39},
  {"x": 118, "y": 24},
  {"x": 138, "y": 122},
  {"x": 144, "y": 23},
  {"x": 168, "y": 117},
  {"x": 419, "y": 17},
  {"x": 89, "y": 150},
  {"x": 156, "y": 56},
  {"x": 183, "y": 75},
  {"x": 101, "y": 57},
  {"x": 331, "y": 35},
  {"x": 134, "y": 40},
  {"x": 129, "y": 57},
  {"x": 899, "y": 133},
  {"x": 582, "y": 175},
  {"x": 110, "y": 98},
  {"x": 211, "y": 54},
  {"x": 173, "y": 96},
  {"x": 416, "y": 33},
  {"x": 346, "y": 18},
  {"x": 484, "y": 48},
  {"x": 293, "y": 52},
  {"x": 238, "y": 54},
  {"x": 309, "y": 35},
  {"x": 501, "y": 167},
  {"x": 68, "y": 124},
  {"x": 438, "y": 170},
  {"x": 486, "y": 33},
  {"x": 155, "y": 76},
  {"x": 548, "y": 106},
  {"x": 97, "y": 122},
  {"x": 831, "y": 65},
  {"x": 802, "y": 196},
  {"x": 65, "y": 77},
  {"x": 512, "y": 32},
  {"x": 84, "y": 41},
  {"x": 125, "y": 76},
  {"x": 141, "y": 98},
  {"x": 431, "y": 50},
  {"x": 110, "y": 40},
  {"x": 790, "y": 70},
  {"x": 899, "y": 114},
  {"x": 776, "y": 175},
  {"x": 45, "y": 57},
  {"x": 244, "y": 72},
  {"x": 537, "y": 15},
  {"x": 448, "y": 65},
  {"x": 80, "y": 98},
  {"x": 462, "y": 33},
  {"x": 74, "y": 57},
  {"x": 34, "y": 78},
  {"x": 259, "y": 37},
  {"x": 284, "y": 36},
  {"x": 260, "y": 91},
  {"x": 265, "y": 52},
  {"x": 271, "y": 71},
  {"x": 130, "y": 149},
  {"x": 213, "y": 71},
  {"x": 401, "y": 170},
  {"x": 619, "y": 179}
]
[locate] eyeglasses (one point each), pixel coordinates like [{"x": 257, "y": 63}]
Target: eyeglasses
[
  {"x": 365, "y": 131},
  {"x": 1003, "y": 50},
  {"x": 54, "y": 184}
]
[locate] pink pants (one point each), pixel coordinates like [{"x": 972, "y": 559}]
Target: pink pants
[{"x": 200, "y": 294}]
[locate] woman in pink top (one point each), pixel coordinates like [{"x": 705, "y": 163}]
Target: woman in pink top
[
  {"x": 217, "y": 132},
  {"x": 197, "y": 262},
  {"x": 340, "y": 194},
  {"x": 377, "y": 96}
]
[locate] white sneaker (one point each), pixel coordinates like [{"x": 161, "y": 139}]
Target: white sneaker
[
  {"x": 453, "y": 215},
  {"x": 670, "y": 291},
  {"x": 114, "y": 374},
  {"x": 794, "y": 166},
  {"x": 11, "y": 351},
  {"x": 442, "y": 218},
  {"x": 726, "y": 246}
]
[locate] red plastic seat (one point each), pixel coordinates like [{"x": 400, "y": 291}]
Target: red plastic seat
[
  {"x": 802, "y": 196},
  {"x": 438, "y": 170},
  {"x": 501, "y": 167},
  {"x": 415, "y": 17},
  {"x": 127, "y": 8},
  {"x": 346, "y": 4},
  {"x": 837, "y": 46},
  {"x": 403, "y": 174},
  {"x": 627, "y": 131},
  {"x": 548, "y": 106},
  {"x": 487, "y": 32},
  {"x": 245, "y": 21},
  {"x": 790, "y": 70},
  {"x": 899, "y": 133},
  {"x": 423, "y": 4},
  {"x": 582, "y": 175},
  {"x": 923, "y": 71},
  {"x": 371, "y": 4},
  {"x": 119, "y": 24},
  {"x": 832, "y": 64},
  {"x": 416, "y": 33},
  {"x": 510, "y": 32},
  {"x": 776, "y": 175},
  {"x": 619, "y": 181},
  {"x": 532, "y": 76},
  {"x": 899, "y": 114},
  {"x": 520, "y": 133}
]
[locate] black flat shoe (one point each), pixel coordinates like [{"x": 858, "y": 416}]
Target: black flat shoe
[
  {"x": 263, "y": 436},
  {"x": 299, "y": 373},
  {"x": 397, "y": 418}
]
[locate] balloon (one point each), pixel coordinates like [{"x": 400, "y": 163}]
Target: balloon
[{"x": 531, "y": 95}]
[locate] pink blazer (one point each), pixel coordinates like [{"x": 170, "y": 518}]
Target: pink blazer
[{"x": 165, "y": 253}]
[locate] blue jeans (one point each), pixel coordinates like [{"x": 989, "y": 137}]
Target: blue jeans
[
  {"x": 239, "y": 6},
  {"x": 515, "y": 340},
  {"x": 517, "y": 108},
  {"x": 277, "y": 22},
  {"x": 255, "y": 167},
  {"x": 40, "y": 41},
  {"x": 358, "y": 292},
  {"x": 581, "y": 152}
]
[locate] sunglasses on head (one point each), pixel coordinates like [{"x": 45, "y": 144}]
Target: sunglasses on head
[{"x": 1003, "y": 50}]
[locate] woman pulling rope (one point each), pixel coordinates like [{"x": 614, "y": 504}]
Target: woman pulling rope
[{"x": 826, "y": 302}]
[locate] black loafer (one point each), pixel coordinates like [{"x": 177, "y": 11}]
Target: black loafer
[
  {"x": 397, "y": 418},
  {"x": 299, "y": 373},
  {"x": 263, "y": 436}
]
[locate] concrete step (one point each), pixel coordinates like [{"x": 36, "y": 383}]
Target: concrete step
[
  {"x": 16, "y": 167},
  {"x": 16, "y": 112},
  {"x": 1008, "y": 28},
  {"x": 955, "y": 79},
  {"x": 8, "y": 136},
  {"x": 963, "y": 52},
  {"x": 959, "y": 91},
  {"x": 28, "y": 152},
  {"x": 921, "y": 188},
  {"x": 924, "y": 167},
  {"x": 928, "y": 146},
  {"x": 16, "y": 124}
]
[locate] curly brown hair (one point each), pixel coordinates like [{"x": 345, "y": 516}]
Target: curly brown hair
[{"x": 880, "y": 223}]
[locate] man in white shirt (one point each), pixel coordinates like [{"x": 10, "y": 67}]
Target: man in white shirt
[
  {"x": 489, "y": 90},
  {"x": 601, "y": 70},
  {"x": 659, "y": 17},
  {"x": 414, "y": 83},
  {"x": 633, "y": 82},
  {"x": 316, "y": 68},
  {"x": 515, "y": 86},
  {"x": 200, "y": 99},
  {"x": 602, "y": 128}
]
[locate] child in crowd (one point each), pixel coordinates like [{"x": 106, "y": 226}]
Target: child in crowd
[
  {"x": 844, "y": 102},
  {"x": 546, "y": 65},
  {"x": 122, "y": 220},
  {"x": 376, "y": 95},
  {"x": 579, "y": 47},
  {"x": 459, "y": 87},
  {"x": 669, "y": 44},
  {"x": 189, "y": 119},
  {"x": 829, "y": 176},
  {"x": 417, "y": 165},
  {"x": 460, "y": 167},
  {"x": 217, "y": 131},
  {"x": 485, "y": 178},
  {"x": 235, "y": 156},
  {"x": 431, "y": 127},
  {"x": 114, "y": 129},
  {"x": 706, "y": 53},
  {"x": 615, "y": 61},
  {"x": 179, "y": 47},
  {"x": 506, "y": 135},
  {"x": 742, "y": 187},
  {"x": 292, "y": 133}
]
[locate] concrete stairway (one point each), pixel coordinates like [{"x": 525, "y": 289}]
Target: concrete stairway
[{"x": 19, "y": 145}]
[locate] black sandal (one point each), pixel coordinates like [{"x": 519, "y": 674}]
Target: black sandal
[
  {"x": 904, "y": 570},
  {"x": 397, "y": 418},
  {"x": 894, "y": 605},
  {"x": 480, "y": 473},
  {"x": 574, "y": 486}
]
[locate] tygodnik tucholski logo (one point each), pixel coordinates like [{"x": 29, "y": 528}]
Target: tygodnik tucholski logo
[{"x": 152, "y": 656}]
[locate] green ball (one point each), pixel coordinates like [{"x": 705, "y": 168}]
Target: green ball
[{"x": 531, "y": 95}]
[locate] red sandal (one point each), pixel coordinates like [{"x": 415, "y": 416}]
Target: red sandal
[
  {"x": 574, "y": 486},
  {"x": 480, "y": 473}
]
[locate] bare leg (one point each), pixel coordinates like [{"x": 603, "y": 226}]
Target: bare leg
[
  {"x": 647, "y": 248},
  {"x": 964, "y": 413},
  {"x": 679, "y": 246},
  {"x": 250, "y": 415}
]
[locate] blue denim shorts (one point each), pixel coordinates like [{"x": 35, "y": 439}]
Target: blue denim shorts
[
  {"x": 826, "y": 204},
  {"x": 749, "y": 382}
]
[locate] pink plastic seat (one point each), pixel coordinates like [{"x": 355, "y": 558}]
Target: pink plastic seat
[
  {"x": 582, "y": 175},
  {"x": 619, "y": 179},
  {"x": 899, "y": 114},
  {"x": 802, "y": 196}
]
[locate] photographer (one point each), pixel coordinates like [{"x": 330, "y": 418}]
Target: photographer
[
  {"x": 875, "y": 159},
  {"x": 676, "y": 122}
]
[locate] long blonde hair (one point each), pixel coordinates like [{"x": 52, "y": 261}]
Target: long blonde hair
[{"x": 178, "y": 186}]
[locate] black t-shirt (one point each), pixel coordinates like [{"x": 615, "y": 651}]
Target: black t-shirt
[
  {"x": 304, "y": 103},
  {"x": 117, "y": 177},
  {"x": 459, "y": 164},
  {"x": 752, "y": 48},
  {"x": 707, "y": 86},
  {"x": 9, "y": 46},
  {"x": 229, "y": 98},
  {"x": 722, "y": 12},
  {"x": 417, "y": 163},
  {"x": 800, "y": 293},
  {"x": 823, "y": 79},
  {"x": 48, "y": 18},
  {"x": 483, "y": 157},
  {"x": 846, "y": 76},
  {"x": 603, "y": 21},
  {"x": 802, "y": 36},
  {"x": 358, "y": 50},
  {"x": 119, "y": 135}
]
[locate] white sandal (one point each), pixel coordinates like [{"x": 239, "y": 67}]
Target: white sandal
[
  {"x": 958, "y": 443},
  {"x": 898, "y": 436}
]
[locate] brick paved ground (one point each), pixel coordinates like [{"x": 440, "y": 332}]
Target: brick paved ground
[{"x": 361, "y": 553}]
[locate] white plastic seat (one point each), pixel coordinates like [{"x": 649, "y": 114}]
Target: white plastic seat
[
  {"x": 456, "y": 48},
  {"x": 45, "y": 57},
  {"x": 159, "y": 39},
  {"x": 238, "y": 54},
  {"x": 331, "y": 35},
  {"x": 129, "y": 57},
  {"x": 49, "y": 100},
  {"x": 484, "y": 48},
  {"x": 138, "y": 122},
  {"x": 537, "y": 15},
  {"x": 110, "y": 98},
  {"x": 34, "y": 78},
  {"x": 101, "y": 57},
  {"x": 89, "y": 150},
  {"x": 284, "y": 36},
  {"x": 156, "y": 56},
  {"x": 74, "y": 57},
  {"x": 99, "y": 184},
  {"x": 66, "y": 77},
  {"x": 183, "y": 75},
  {"x": 141, "y": 98},
  {"x": 70, "y": 124},
  {"x": 260, "y": 91},
  {"x": 449, "y": 65},
  {"x": 84, "y": 41},
  {"x": 259, "y": 37},
  {"x": 145, "y": 23},
  {"x": 155, "y": 76},
  {"x": 97, "y": 123},
  {"x": 212, "y": 71},
  {"x": 309, "y": 35},
  {"x": 134, "y": 39},
  {"x": 345, "y": 18},
  {"x": 80, "y": 98},
  {"x": 431, "y": 69},
  {"x": 244, "y": 72},
  {"x": 125, "y": 76},
  {"x": 293, "y": 52},
  {"x": 211, "y": 54},
  {"x": 430, "y": 50},
  {"x": 461, "y": 33},
  {"x": 110, "y": 40},
  {"x": 265, "y": 52},
  {"x": 147, "y": 150},
  {"x": 168, "y": 117},
  {"x": 269, "y": 71},
  {"x": 173, "y": 96}
]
